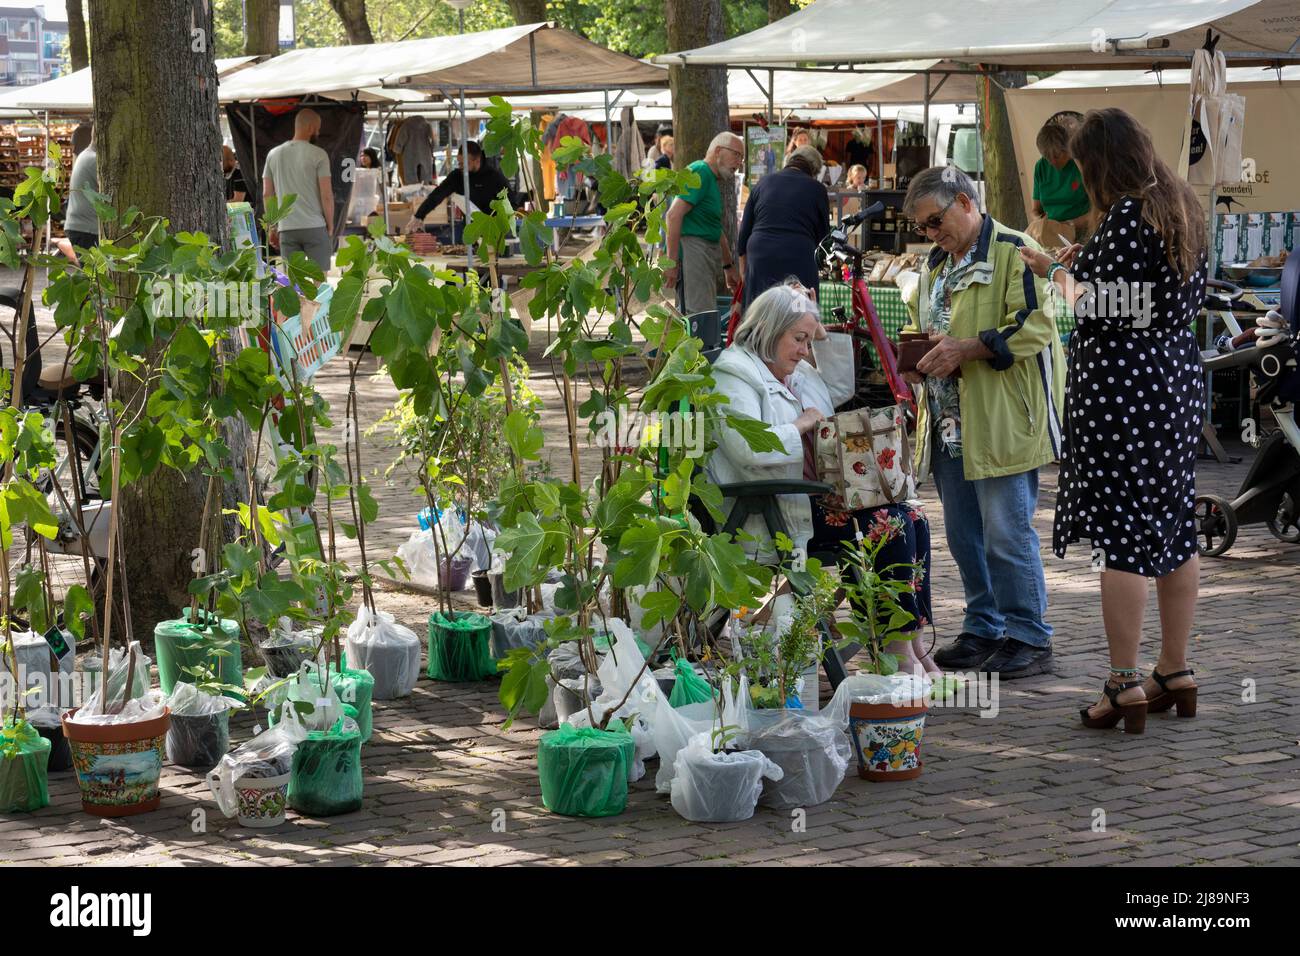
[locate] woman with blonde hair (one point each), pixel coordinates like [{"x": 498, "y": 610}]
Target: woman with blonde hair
[{"x": 1135, "y": 404}]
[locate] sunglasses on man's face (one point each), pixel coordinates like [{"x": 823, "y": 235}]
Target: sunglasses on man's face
[{"x": 935, "y": 221}]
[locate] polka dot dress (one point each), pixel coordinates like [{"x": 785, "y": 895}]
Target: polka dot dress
[{"x": 1135, "y": 403}]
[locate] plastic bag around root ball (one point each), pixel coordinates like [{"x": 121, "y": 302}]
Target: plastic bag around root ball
[
  {"x": 92, "y": 711},
  {"x": 674, "y": 727},
  {"x": 354, "y": 688},
  {"x": 718, "y": 787},
  {"x": 325, "y": 779},
  {"x": 812, "y": 751},
  {"x": 459, "y": 647},
  {"x": 24, "y": 762},
  {"x": 388, "y": 651},
  {"x": 198, "y": 741},
  {"x": 584, "y": 771},
  {"x": 689, "y": 687},
  {"x": 513, "y": 629},
  {"x": 269, "y": 754},
  {"x": 900, "y": 689}
]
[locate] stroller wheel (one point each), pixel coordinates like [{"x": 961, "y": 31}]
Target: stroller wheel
[
  {"x": 1216, "y": 525},
  {"x": 1285, "y": 525}
]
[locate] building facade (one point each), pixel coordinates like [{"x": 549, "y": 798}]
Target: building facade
[{"x": 31, "y": 47}]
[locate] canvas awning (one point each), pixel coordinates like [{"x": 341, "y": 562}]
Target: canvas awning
[
  {"x": 1012, "y": 33},
  {"x": 535, "y": 57},
  {"x": 74, "y": 93}
]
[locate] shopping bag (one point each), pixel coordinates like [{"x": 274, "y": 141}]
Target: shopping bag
[{"x": 865, "y": 455}]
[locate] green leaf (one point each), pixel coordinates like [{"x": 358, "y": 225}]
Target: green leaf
[
  {"x": 659, "y": 606},
  {"x": 524, "y": 437},
  {"x": 639, "y": 550},
  {"x": 757, "y": 434}
]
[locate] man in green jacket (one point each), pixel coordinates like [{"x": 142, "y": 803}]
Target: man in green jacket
[{"x": 993, "y": 387}]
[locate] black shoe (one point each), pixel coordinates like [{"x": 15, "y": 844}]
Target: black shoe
[
  {"x": 1015, "y": 659},
  {"x": 967, "y": 651}
]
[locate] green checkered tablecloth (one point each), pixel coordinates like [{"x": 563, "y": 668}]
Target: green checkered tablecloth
[
  {"x": 893, "y": 313},
  {"x": 886, "y": 298}
]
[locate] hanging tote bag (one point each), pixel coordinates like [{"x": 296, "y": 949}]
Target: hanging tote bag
[{"x": 865, "y": 455}]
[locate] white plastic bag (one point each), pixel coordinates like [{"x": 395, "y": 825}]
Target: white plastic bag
[
  {"x": 388, "y": 650},
  {"x": 327, "y": 708},
  {"x": 514, "y": 628},
  {"x": 675, "y": 726},
  {"x": 138, "y": 708},
  {"x": 901, "y": 688},
  {"x": 186, "y": 700},
  {"x": 269, "y": 754},
  {"x": 418, "y": 556},
  {"x": 812, "y": 751},
  {"x": 47, "y": 687},
  {"x": 718, "y": 787}
]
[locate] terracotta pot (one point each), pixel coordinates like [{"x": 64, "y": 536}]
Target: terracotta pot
[
  {"x": 887, "y": 739},
  {"x": 118, "y": 765}
]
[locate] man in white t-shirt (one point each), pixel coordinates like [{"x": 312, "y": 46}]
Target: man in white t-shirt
[{"x": 301, "y": 168}]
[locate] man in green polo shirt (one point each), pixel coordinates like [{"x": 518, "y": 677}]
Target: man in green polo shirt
[
  {"x": 1061, "y": 204},
  {"x": 694, "y": 223}
]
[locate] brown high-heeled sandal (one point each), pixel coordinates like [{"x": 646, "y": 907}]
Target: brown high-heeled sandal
[
  {"x": 1182, "y": 697},
  {"x": 1134, "y": 715}
]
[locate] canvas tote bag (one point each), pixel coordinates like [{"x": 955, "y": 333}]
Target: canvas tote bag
[{"x": 865, "y": 455}]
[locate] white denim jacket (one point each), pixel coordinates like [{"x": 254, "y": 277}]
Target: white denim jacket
[{"x": 754, "y": 391}]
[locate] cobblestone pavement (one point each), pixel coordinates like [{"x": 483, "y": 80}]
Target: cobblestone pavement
[{"x": 1024, "y": 787}]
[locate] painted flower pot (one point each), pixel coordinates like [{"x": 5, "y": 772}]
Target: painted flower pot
[
  {"x": 887, "y": 739},
  {"x": 262, "y": 800},
  {"x": 482, "y": 588},
  {"x": 118, "y": 765}
]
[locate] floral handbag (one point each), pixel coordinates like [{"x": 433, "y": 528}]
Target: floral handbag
[{"x": 865, "y": 454}]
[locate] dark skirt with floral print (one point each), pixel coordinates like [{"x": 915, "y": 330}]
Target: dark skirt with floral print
[{"x": 908, "y": 533}]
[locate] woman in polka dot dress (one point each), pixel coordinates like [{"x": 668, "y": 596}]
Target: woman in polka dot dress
[{"x": 1134, "y": 407}]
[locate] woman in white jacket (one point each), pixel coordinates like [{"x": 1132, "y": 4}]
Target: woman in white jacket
[{"x": 764, "y": 374}]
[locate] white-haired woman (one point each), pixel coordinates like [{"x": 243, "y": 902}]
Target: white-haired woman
[{"x": 765, "y": 375}]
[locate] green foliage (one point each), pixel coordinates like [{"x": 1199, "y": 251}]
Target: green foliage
[{"x": 878, "y": 618}]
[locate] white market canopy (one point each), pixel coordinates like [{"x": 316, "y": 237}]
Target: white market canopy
[
  {"x": 1104, "y": 79},
  {"x": 536, "y": 58},
  {"x": 74, "y": 93},
  {"x": 1012, "y": 33}
]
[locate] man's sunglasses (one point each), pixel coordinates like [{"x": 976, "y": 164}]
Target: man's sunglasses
[{"x": 935, "y": 221}]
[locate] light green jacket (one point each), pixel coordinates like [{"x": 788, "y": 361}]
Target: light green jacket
[{"x": 1011, "y": 404}]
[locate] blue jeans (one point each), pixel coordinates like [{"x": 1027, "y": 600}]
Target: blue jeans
[{"x": 990, "y": 528}]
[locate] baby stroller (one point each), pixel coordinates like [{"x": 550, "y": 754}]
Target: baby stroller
[{"x": 1271, "y": 491}]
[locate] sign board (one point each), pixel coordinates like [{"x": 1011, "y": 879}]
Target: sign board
[{"x": 764, "y": 152}]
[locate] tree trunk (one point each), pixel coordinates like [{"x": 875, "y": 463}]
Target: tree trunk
[
  {"x": 528, "y": 11},
  {"x": 1003, "y": 197},
  {"x": 779, "y": 9},
  {"x": 355, "y": 22},
  {"x": 77, "y": 48},
  {"x": 159, "y": 149},
  {"x": 699, "y": 93},
  {"x": 261, "y": 27}
]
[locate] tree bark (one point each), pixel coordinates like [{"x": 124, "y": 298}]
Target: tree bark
[
  {"x": 699, "y": 93},
  {"x": 159, "y": 149},
  {"x": 355, "y": 22},
  {"x": 528, "y": 11},
  {"x": 77, "y": 48},
  {"x": 779, "y": 9},
  {"x": 1003, "y": 197},
  {"x": 261, "y": 27}
]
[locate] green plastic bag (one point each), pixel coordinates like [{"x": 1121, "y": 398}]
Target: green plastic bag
[
  {"x": 460, "y": 647},
  {"x": 690, "y": 687},
  {"x": 24, "y": 760},
  {"x": 356, "y": 689},
  {"x": 584, "y": 771},
  {"x": 325, "y": 778},
  {"x": 179, "y": 644}
]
